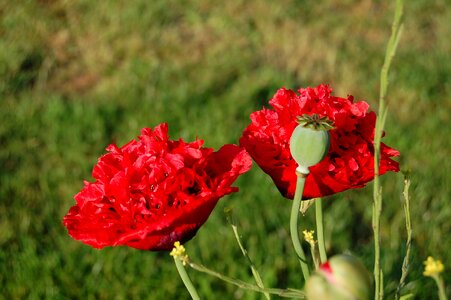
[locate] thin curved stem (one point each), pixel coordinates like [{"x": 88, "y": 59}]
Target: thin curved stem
[
  {"x": 288, "y": 293},
  {"x": 185, "y": 278},
  {"x": 255, "y": 273},
  {"x": 320, "y": 230},
  {"x": 406, "y": 261},
  {"x": 294, "y": 224}
]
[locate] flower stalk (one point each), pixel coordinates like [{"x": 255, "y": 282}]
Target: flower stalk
[
  {"x": 286, "y": 293},
  {"x": 185, "y": 278},
  {"x": 377, "y": 190},
  {"x": 441, "y": 287},
  {"x": 255, "y": 273},
  {"x": 180, "y": 260},
  {"x": 320, "y": 230},
  {"x": 406, "y": 261},
  {"x": 310, "y": 239},
  {"x": 296, "y": 205}
]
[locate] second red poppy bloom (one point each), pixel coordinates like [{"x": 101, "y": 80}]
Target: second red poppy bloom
[{"x": 350, "y": 161}]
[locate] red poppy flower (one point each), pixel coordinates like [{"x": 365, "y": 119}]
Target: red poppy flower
[
  {"x": 350, "y": 161},
  {"x": 152, "y": 192}
]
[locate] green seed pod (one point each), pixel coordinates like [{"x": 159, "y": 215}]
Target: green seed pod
[
  {"x": 310, "y": 141},
  {"x": 342, "y": 277}
]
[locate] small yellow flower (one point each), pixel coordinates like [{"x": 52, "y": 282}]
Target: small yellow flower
[
  {"x": 308, "y": 237},
  {"x": 432, "y": 267},
  {"x": 179, "y": 252}
]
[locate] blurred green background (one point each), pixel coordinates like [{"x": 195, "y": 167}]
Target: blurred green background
[{"x": 78, "y": 75}]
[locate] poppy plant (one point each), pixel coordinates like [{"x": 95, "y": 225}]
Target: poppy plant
[
  {"x": 153, "y": 191},
  {"x": 349, "y": 162}
]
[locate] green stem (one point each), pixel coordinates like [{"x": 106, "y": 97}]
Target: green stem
[
  {"x": 380, "y": 122},
  {"x": 406, "y": 261},
  {"x": 441, "y": 287},
  {"x": 288, "y": 293},
  {"x": 255, "y": 273},
  {"x": 320, "y": 230},
  {"x": 185, "y": 278},
  {"x": 316, "y": 260},
  {"x": 377, "y": 208},
  {"x": 294, "y": 224}
]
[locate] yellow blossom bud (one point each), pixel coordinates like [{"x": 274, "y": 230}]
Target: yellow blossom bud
[
  {"x": 432, "y": 267},
  {"x": 308, "y": 237},
  {"x": 179, "y": 252}
]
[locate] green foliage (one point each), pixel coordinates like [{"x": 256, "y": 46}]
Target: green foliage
[{"x": 78, "y": 75}]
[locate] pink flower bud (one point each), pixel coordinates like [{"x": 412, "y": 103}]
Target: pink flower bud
[{"x": 343, "y": 277}]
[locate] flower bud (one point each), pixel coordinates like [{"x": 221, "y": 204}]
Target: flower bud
[
  {"x": 310, "y": 141},
  {"x": 343, "y": 277}
]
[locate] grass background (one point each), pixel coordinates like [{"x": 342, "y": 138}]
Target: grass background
[{"x": 78, "y": 75}]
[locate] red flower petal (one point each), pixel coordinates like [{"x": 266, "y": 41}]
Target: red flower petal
[
  {"x": 152, "y": 192},
  {"x": 350, "y": 160}
]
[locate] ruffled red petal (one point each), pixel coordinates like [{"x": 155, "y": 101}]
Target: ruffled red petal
[
  {"x": 349, "y": 163},
  {"x": 152, "y": 192}
]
